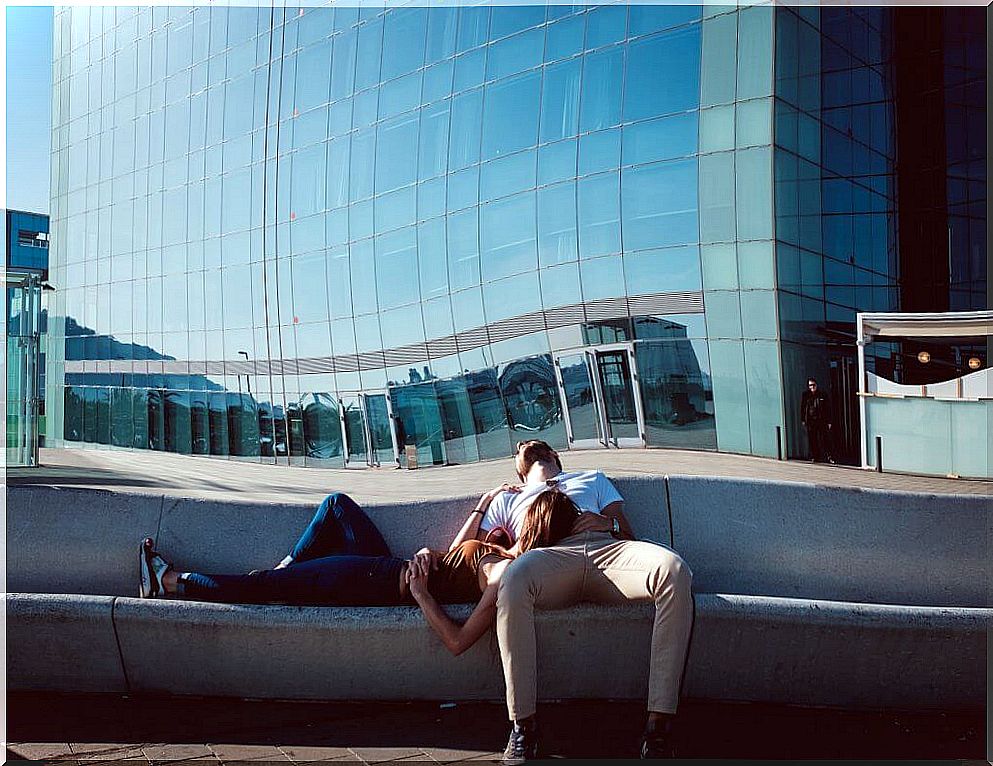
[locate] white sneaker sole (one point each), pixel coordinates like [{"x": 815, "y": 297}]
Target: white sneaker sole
[{"x": 148, "y": 584}]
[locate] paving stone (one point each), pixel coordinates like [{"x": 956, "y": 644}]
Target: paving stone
[
  {"x": 230, "y": 753},
  {"x": 91, "y": 751},
  {"x": 382, "y": 754},
  {"x": 443, "y": 755},
  {"x": 184, "y": 752},
  {"x": 304, "y": 753},
  {"x": 34, "y": 751}
]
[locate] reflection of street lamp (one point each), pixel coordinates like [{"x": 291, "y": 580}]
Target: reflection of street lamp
[{"x": 248, "y": 380}]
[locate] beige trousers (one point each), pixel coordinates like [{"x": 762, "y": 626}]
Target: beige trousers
[{"x": 593, "y": 566}]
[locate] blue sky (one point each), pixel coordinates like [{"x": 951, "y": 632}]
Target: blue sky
[{"x": 29, "y": 107}]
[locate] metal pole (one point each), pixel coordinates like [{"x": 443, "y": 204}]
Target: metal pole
[
  {"x": 22, "y": 344},
  {"x": 31, "y": 394},
  {"x": 779, "y": 443},
  {"x": 879, "y": 454},
  {"x": 861, "y": 341}
]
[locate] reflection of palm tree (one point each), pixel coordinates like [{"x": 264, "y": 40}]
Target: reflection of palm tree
[
  {"x": 530, "y": 392},
  {"x": 322, "y": 427}
]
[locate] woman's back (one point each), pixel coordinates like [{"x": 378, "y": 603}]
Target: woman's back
[{"x": 456, "y": 580}]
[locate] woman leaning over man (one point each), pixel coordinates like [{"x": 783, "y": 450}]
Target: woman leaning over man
[{"x": 342, "y": 560}]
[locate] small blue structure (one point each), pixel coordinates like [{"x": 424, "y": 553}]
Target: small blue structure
[{"x": 26, "y": 269}]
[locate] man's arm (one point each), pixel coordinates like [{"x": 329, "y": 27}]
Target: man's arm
[
  {"x": 456, "y": 638},
  {"x": 616, "y": 511},
  {"x": 471, "y": 529},
  {"x": 604, "y": 521}
]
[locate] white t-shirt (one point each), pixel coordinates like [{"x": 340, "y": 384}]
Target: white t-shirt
[{"x": 589, "y": 490}]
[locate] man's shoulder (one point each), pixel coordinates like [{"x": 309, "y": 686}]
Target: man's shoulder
[
  {"x": 581, "y": 476},
  {"x": 504, "y": 498}
]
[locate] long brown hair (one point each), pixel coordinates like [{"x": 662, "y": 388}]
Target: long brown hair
[{"x": 549, "y": 519}]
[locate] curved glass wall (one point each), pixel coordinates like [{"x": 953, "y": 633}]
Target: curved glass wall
[{"x": 266, "y": 217}]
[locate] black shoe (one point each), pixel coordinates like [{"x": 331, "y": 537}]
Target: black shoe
[
  {"x": 522, "y": 745},
  {"x": 657, "y": 744}
]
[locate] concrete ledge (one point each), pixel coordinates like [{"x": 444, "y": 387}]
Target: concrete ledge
[
  {"x": 834, "y": 597},
  {"x": 840, "y": 654},
  {"x": 62, "y": 643},
  {"x": 755, "y": 537},
  {"x": 76, "y": 541},
  {"x": 369, "y": 653},
  {"x": 743, "y": 648}
]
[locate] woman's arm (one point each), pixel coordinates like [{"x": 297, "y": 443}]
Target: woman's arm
[
  {"x": 470, "y": 530},
  {"x": 457, "y": 638}
]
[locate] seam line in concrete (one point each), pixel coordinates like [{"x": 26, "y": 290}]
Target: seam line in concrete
[
  {"x": 117, "y": 640},
  {"x": 668, "y": 507},
  {"x": 158, "y": 525}
]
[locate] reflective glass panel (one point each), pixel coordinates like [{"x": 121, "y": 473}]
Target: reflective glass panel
[
  {"x": 660, "y": 205},
  {"x": 506, "y": 236},
  {"x": 488, "y": 414},
  {"x": 355, "y": 442},
  {"x": 510, "y": 118},
  {"x": 396, "y": 268},
  {"x": 463, "y": 249},
  {"x": 614, "y": 371},
  {"x": 457, "y": 421},
  {"x": 599, "y": 215},
  {"x": 560, "y": 100},
  {"x": 579, "y": 397},
  {"x": 676, "y": 393},
  {"x": 601, "y": 98},
  {"x": 419, "y": 421},
  {"x": 404, "y": 39},
  {"x": 321, "y": 426},
  {"x": 557, "y": 237},
  {"x": 396, "y": 164},
  {"x": 531, "y": 395},
  {"x": 674, "y": 269},
  {"x": 678, "y": 55},
  {"x": 380, "y": 429}
]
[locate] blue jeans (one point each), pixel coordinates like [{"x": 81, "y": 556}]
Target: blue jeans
[
  {"x": 340, "y": 559},
  {"x": 339, "y": 527},
  {"x": 328, "y": 581}
]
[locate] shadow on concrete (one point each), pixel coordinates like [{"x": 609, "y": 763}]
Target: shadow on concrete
[
  {"x": 93, "y": 478},
  {"x": 581, "y": 729}
]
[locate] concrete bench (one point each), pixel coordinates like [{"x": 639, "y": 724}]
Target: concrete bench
[{"x": 804, "y": 594}]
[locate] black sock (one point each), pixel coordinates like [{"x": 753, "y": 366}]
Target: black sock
[
  {"x": 655, "y": 727},
  {"x": 527, "y": 724}
]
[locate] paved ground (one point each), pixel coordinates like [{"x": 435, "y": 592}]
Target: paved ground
[
  {"x": 91, "y": 728},
  {"x": 170, "y": 474}
]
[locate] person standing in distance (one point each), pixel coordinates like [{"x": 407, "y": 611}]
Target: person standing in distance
[{"x": 815, "y": 414}]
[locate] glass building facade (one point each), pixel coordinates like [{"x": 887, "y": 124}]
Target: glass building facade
[{"x": 345, "y": 236}]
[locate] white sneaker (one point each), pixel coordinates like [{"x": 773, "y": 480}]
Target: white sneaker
[{"x": 151, "y": 567}]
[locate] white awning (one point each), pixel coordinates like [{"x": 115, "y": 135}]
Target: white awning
[{"x": 949, "y": 324}]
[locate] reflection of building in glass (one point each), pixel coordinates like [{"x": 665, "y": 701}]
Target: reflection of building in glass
[{"x": 324, "y": 235}]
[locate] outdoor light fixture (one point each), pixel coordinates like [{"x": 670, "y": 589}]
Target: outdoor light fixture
[
  {"x": 924, "y": 357},
  {"x": 975, "y": 363}
]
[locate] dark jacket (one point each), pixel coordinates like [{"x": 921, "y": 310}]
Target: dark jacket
[{"x": 814, "y": 409}]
